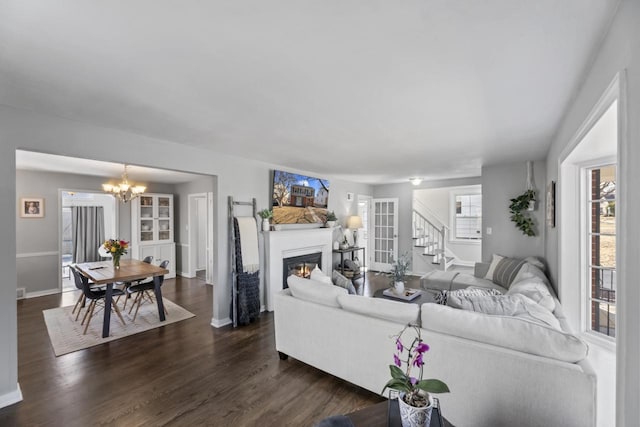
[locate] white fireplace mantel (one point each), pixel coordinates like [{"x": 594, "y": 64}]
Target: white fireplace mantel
[{"x": 289, "y": 243}]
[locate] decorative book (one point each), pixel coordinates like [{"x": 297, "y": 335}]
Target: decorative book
[{"x": 408, "y": 294}]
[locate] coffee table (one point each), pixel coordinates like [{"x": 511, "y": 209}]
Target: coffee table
[
  {"x": 426, "y": 296},
  {"x": 387, "y": 414}
]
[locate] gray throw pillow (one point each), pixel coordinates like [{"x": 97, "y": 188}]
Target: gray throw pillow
[
  {"x": 506, "y": 270},
  {"x": 341, "y": 281}
]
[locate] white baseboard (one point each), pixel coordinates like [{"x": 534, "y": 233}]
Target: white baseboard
[
  {"x": 220, "y": 323},
  {"x": 186, "y": 274},
  {"x": 12, "y": 397},
  {"x": 42, "y": 293}
]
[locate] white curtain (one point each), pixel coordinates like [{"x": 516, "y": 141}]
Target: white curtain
[{"x": 87, "y": 224}]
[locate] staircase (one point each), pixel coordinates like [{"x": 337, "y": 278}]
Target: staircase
[{"x": 431, "y": 240}]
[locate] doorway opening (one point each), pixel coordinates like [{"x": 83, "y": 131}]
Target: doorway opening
[
  {"x": 200, "y": 226},
  {"x": 86, "y": 219}
]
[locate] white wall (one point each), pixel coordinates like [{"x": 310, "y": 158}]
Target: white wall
[
  {"x": 620, "y": 51},
  {"x": 241, "y": 178},
  {"x": 404, "y": 193},
  {"x": 500, "y": 183},
  {"x": 438, "y": 201}
]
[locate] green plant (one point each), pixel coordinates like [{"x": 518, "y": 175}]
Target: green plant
[
  {"x": 265, "y": 213},
  {"x": 331, "y": 216},
  {"x": 400, "y": 268},
  {"x": 415, "y": 388},
  {"x": 518, "y": 209}
]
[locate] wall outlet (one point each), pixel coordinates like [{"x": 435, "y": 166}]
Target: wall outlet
[{"x": 489, "y": 231}]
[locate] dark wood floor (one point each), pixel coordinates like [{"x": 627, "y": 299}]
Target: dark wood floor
[{"x": 187, "y": 373}]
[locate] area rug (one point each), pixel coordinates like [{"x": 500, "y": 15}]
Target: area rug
[{"x": 66, "y": 333}]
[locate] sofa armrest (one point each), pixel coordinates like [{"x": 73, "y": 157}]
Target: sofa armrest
[{"x": 480, "y": 269}]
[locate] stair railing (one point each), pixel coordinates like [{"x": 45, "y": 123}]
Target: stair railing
[{"x": 433, "y": 236}]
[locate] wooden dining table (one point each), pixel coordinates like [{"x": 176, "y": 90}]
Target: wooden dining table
[{"x": 103, "y": 273}]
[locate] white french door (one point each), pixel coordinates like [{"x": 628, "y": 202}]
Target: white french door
[{"x": 385, "y": 233}]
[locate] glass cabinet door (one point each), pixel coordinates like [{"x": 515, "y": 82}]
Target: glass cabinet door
[
  {"x": 164, "y": 218},
  {"x": 147, "y": 225}
]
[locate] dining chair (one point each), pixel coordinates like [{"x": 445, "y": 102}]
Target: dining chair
[
  {"x": 127, "y": 285},
  {"x": 96, "y": 295},
  {"x": 80, "y": 303},
  {"x": 141, "y": 289}
]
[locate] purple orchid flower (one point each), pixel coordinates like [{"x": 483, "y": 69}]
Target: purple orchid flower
[
  {"x": 399, "y": 345},
  {"x": 418, "y": 360},
  {"x": 422, "y": 347},
  {"x": 413, "y": 380},
  {"x": 396, "y": 360}
]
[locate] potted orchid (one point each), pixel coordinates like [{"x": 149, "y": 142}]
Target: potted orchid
[
  {"x": 116, "y": 248},
  {"x": 414, "y": 400}
]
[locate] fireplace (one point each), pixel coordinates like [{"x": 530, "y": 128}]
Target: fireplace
[
  {"x": 292, "y": 243},
  {"x": 301, "y": 266}
]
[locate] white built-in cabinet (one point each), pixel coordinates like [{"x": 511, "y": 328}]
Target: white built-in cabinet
[{"x": 152, "y": 229}]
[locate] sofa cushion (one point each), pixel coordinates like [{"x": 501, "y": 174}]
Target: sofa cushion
[
  {"x": 394, "y": 311},
  {"x": 535, "y": 289},
  {"x": 463, "y": 281},
  {"x": 343, "y": 282},
  {"x": 314, "y": 291},
  {"x": 319, "y": 276},
  {"x": 504, "y": 331},
  {"x": 516, "y": 305}
]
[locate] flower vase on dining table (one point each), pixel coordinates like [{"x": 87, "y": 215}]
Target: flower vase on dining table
[{"x": 116, "y": 261}]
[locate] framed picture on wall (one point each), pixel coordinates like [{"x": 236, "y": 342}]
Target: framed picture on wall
[
  {"x": 31, "y": 207},
  {"x": 551, "y": 204}
]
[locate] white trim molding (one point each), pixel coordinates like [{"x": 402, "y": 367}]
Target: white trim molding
[
  {"x": 220, "y": 323},
  {"x": 12, "y": 397},
  {"x": 42, "y": 293},
  {"x": 37, "y": 254}
]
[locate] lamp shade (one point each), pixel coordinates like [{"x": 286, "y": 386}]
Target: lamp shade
[{"x": 354, "y": 222}]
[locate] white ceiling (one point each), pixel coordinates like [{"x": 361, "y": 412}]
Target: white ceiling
[
  {"x": 369, "y": 90},
  {"x": 28, "y": 160}
]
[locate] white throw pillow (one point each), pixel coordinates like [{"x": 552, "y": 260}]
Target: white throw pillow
[
  {"x": 394, "y": 311},
  {"x": 314, "y": 291},
  {"x": 535, "y": 289},
  {"x": 504, "y": 331},
  {"x": 318, "y": 275},
  {"x": 530, "y": 271},
  {"x": 492, "y": 267},
  {"x": 516, "y": 305},
  {"x": 535, "y": 261}
]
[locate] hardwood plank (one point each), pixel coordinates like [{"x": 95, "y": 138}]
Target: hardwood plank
[{"x": 187, "y": 373}]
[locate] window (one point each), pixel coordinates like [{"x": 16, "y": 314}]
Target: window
[
  {"x": 468, "y": 217},
  {"x": 601, "y": 250}
]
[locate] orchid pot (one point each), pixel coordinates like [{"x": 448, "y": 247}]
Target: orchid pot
[{"x": 413, "y": 416}]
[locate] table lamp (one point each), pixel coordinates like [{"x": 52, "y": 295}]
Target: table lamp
[{"x": 354, "y": 223}]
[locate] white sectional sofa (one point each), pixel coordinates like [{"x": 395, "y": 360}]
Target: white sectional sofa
[{"x": 502, "y": 370}]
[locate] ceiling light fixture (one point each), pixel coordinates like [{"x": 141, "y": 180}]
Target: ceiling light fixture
[
  {"x": 416, "y": 181},
  {"x": 124, "y": 191}
]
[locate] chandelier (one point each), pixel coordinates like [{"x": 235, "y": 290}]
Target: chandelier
[{"x": 124, "y": 191}]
